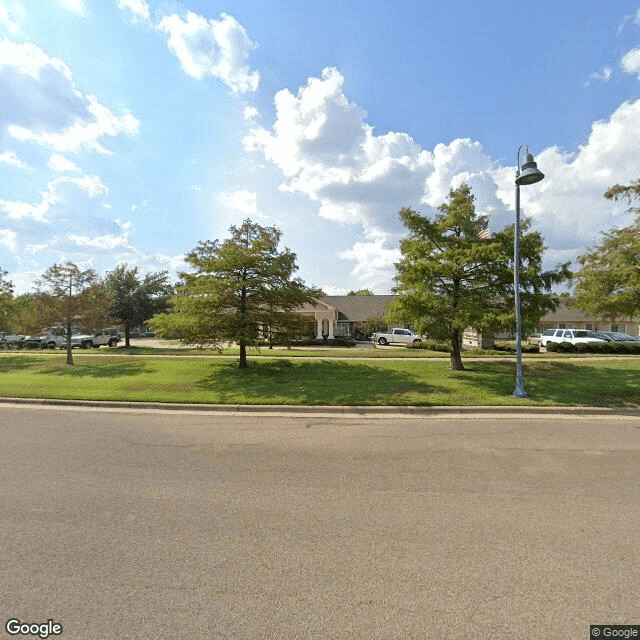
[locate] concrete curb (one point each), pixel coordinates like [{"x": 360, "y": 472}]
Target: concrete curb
[{"x": 321, "y": 409}]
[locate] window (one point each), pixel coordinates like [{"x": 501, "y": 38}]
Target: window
[{"x": 619, "y": 328}]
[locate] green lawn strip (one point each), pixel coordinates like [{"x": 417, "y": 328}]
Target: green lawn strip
[
  {"x": 613, "y": 382},
  {"x": 306, "y": 352}
]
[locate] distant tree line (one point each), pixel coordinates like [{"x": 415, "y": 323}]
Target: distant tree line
[{"x": 452, "y": 275}]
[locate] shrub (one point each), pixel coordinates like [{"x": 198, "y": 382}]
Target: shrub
[
  {"x": 632, "y": 347},
  {"x": 560, "y": 347},
  {"x": 510, "y": 347},
  {"x": 431, "y": 345},
  {"x": 595, "y": 347},
  {"x": 617, "y": 347}
]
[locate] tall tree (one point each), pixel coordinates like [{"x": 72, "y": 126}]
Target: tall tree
[
  {"x": 135, "y": 299},
  {"x": 238, "y": 290},
  {"x": 608, "y": 284},
  {"x": 71, "y": 297},
  {"x": 6, "y": 300},
  {"x": 454, "y": 275}
]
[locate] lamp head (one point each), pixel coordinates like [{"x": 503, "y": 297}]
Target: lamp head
[{"x": 530, "y": 173}]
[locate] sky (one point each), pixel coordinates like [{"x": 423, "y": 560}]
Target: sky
[{"x": 131, "y": 130}]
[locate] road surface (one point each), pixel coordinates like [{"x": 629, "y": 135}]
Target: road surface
[{"x": 131, "y": 524}]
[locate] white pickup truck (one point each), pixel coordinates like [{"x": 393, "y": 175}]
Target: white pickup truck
[
  {"x": 57, "y": 339},
  {"x": 397, "y": 336}
]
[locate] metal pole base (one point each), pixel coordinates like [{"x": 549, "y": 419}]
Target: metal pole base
[{"x": 519, "y": 393}]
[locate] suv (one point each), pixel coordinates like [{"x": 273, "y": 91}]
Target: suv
[{"x": 574, "y": 336}]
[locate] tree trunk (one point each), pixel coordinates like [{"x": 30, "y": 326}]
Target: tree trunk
[
  {"x": 126, "y": 337},
  {"x": 243, "y": 355},
  {"x": 69, "y": 348},
  {"x": 456, "y": 358}
]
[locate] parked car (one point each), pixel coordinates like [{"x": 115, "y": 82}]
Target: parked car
[
  {"x": 602, "y": 336},
  {"x": 534, "y": 338},
  {"x": 89, "y": 340},
  {"x": 399, "y": 336},
  {"x": 12, "y": 341},
  {"x": 574, "y": 336},
  {"x": 618, "y": 336}
]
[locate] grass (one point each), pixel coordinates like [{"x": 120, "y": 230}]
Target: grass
[{"x": 606, "y": 382}]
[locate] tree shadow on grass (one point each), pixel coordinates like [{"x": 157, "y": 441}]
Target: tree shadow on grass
[
  {"x": 16, "y": 363},
  {"x": 562, "y": 383},
  {"x": 315, "y": 383},
  {"x": 99, "y": 370}
]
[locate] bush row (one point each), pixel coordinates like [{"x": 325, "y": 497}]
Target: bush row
[
  {"x": 505, "y": 347},
  {"x": 594, "y": 347},
  {"x": 311, "y": 342}
]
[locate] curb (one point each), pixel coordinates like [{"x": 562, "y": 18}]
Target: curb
[{"x": 346, "y": 410}]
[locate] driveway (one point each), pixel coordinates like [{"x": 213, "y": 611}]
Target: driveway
[{"x": 157, "y": 524}]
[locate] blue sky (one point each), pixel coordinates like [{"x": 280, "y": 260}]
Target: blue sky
[{"x": 132, "y": 129}]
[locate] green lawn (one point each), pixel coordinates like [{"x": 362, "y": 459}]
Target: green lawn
[{"x": 607, "y": 382}]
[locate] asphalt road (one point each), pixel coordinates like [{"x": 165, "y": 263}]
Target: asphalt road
[{"x": 130, "y": 524}]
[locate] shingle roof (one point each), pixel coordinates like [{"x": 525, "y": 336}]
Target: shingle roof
[{"x": 357, "y": 308}]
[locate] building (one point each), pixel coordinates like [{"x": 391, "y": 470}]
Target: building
[
  {"x": 565, "y": 317},
  {"x": 335, "y": 316}
]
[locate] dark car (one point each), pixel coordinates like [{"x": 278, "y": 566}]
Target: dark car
[
  {"x": 602, "y": 335},
  {"x": 619, "y": 336}
]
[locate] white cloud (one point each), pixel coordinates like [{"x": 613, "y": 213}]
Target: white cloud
[
  {"x": 630, "y": 61},
  {"x": 91, "y": 186},
  {"x": 218, "y": 48},
  {"x": 75, "y": 6},
  {"x": 568, "y": 206},
  {"x": 327, "y": 152},
  {"x": 242, "y": 201},
  {"x": 604, "y": 75},
  {"x": 7, "y": 17},
  {"x": 107, "y": 242},
  {"x": 9, "y": 239},
  {"x": 374, "y": 263},
  {"x": 10, "y": 157},
  {"x": 42, "y": 104},
  {"x": 139, "y": 9},
  {"x": 61, "y": 164},
  {"x": 250, "y": 113}
]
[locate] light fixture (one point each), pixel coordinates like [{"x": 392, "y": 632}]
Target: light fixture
[{"x": 527, "y": 174}]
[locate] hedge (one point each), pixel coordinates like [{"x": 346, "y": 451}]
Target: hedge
[{"x": 595, "y": 347}]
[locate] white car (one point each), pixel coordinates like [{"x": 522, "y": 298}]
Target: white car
[
  {"x": 398, "y": 336},
  {"x": 574, "y": 336}
]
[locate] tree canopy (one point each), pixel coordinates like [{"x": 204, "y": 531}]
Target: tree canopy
[
  {"x": 361, "y": 292},
  {"x": 70, "y": 297},
  {"x": 454, "y": 275},
  {"x": 135, "y": 299},
  {"x": 608, "y": 284},
  {"x": 240, "y": 290}
]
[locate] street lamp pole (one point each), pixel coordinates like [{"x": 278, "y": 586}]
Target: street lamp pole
[{"x": 529, "y": 174}]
